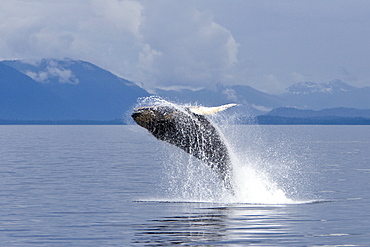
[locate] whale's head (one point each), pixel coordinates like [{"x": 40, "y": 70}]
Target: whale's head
[{"x": 154, "y": 118}]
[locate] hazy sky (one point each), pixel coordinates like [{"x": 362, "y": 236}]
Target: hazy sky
[{"x": 268, "y": 45}]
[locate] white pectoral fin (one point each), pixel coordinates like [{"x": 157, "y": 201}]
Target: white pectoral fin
[{"x": 202, "y": 110}]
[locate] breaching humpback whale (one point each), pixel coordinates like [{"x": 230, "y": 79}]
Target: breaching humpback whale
[{"x": 189, "y": 129}]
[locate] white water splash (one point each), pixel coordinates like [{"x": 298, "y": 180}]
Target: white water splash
[
  {"x": 189, "y": 180},
  {"x": 253, "y": 187}
]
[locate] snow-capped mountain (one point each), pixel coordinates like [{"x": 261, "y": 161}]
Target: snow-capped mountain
[
  {"x": 317, "y": 96},
  {"x": 85, "y": 90},
  {"x": 23, "y": 98},
  {"x": 332, "y": 87}
]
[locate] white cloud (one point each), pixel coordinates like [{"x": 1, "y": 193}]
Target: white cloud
[
  {"x": 297, "y": 77},
  {"x": 53, "y": 71},
  {"x": 261, "y": 108},
  {"x": 120, "y": 16},
  {"x": 271, "y": 83},
  {"x": 194, "y": 49},
  {"x": 196, "y": 43},
  {"x": 161, "y": 43},
  {"x": 105, "y": 32},
  {"x": 230, "y": 94}
]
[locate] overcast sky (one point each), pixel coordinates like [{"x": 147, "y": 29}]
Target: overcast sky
[{"x": 268, "y": 45}]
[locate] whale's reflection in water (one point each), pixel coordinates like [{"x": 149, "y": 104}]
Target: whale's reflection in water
[{"x": 219, "y": 225}]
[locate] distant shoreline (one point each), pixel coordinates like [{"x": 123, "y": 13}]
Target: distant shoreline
[
  {"x": 277, "y": 120},
  {"x": 62, "y": 122},
  {"x": 259, "y": 120}
]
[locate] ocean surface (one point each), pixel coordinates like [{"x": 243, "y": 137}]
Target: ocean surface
[{"x": 119, "y": 186}]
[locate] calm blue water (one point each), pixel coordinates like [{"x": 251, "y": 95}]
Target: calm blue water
[{"x": 119, "y": 186}]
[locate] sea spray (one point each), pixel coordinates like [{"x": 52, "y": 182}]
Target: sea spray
[
  {"x": 188, "y": 179},
  {"x": 262, "y": 169}
]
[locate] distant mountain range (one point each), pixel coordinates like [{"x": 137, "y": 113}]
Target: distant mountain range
[
  {"x": 309, "y": 95},
  {"x": 55, "y": 90},
  {"x": 305, "y": 95},
  {"x": 333, "y": 112},
  {"x": 63, "y": 89},
  {"x": 289, "y": 115}
]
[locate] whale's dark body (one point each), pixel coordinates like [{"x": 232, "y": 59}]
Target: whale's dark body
[{"x": 191, "y": 132}]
